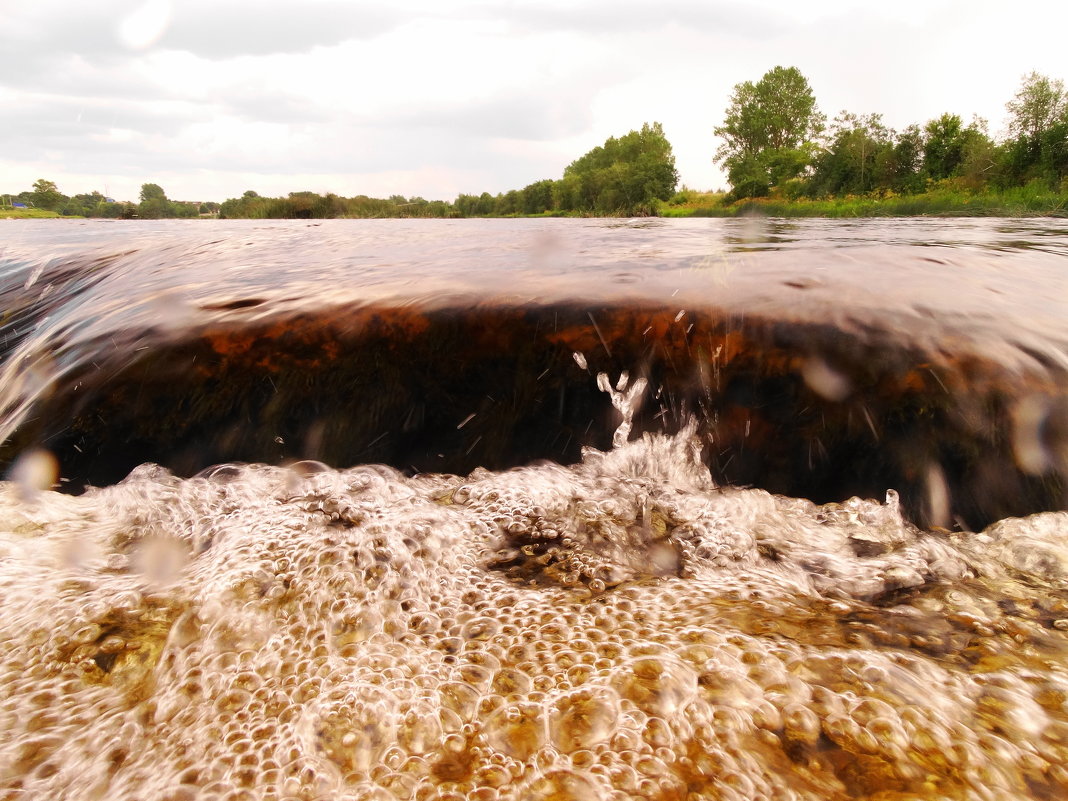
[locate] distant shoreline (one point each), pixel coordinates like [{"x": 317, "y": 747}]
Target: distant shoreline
[
  {"x": 942, "y": 202},
  {"x": 1017, "y": 202}
]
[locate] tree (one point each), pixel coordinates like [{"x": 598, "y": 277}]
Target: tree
[
  {"x": 628, "y": 175},
  {"x": 1038, "y": 126},
  {"x": 510, "y": 203},
  {"x": 249, "y": 206},
  {"x": 979, "y": 155},
  {"x": 466, "y": 205},
  {"x": 154, "y": 203},
  {"x": 858, "y": 157},
  {"x": 1038, "y": 105},
  {"x": 538, "y": 197},
  {"x": 86, "y": 205},
  {"x": 485, "y": 204},
  {"x": 152, "y": 192},
  {"x": 943, "y": 146},
  {"x": 904, "y": 168},
  {"x": 769, "y": 131},
  {"x": 46, "y": 195}
]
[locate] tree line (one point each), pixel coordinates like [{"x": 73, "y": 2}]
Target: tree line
[
  {"x": 628, "y": 175},
  {"x": 776, "y": 142},
  {"x": 153, "y": 204}
]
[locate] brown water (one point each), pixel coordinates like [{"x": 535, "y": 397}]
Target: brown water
[{"x": 613, "y": 622}]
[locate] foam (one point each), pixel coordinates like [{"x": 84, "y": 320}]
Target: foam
[{"x": 617, "y": 629}]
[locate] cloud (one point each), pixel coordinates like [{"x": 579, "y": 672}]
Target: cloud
[
  {"x": 538, "y": 114},
  {"x": 264, "y": 103},
  {"x": 641, "y": 16},
  {"x": 35, "y": 33},
  {"x": 83, "y": 126},
  {"x": 472, "y": 94},
  {"x": 220, "y": 30}
]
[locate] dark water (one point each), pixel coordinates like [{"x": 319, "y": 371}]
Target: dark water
[
  {"x": 348, "y": 511},
  {"x": 822, "y": 359}
]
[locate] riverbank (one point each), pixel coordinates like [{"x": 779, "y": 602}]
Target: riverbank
[
  {"x": 1026, "y": 201},
  {"x": 14, "y": 213}
]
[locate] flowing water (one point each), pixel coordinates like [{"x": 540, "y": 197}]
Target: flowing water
[{"x": 534, "y": 510}]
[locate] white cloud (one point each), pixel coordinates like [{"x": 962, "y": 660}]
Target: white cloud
[{"x": 434, "y": 98}]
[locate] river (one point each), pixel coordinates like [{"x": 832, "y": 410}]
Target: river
[{"x": 534, "y": 509}]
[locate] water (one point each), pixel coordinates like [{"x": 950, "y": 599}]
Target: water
[{"x": 416, "y": 536}]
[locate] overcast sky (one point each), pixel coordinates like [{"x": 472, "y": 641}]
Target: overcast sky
[{"x": 209, "y": 98}]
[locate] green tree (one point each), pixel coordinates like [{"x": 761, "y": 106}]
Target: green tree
[
  {"x": 566, "y": 193},
  {"x": 903, "y": 170},
  {"x": 769, "y": 132},
  {"x": 466, "y": 205},
  {"x": 509, "y": 203},
  {"x": 154, "y": 203},
  {"x": 183, "y": 209},
  {"x": 46, "y": 195},
  {"x": 1038, "y": 125},
  {"x": 152, "y": 192},
  {"x": 979, "y": 156},
  {"x": 628, "y": 175},
  {"x": 113, "y": 210},
  {"x": 1037, "y": 106},
  {"x": 538, "y": 197},
  {"x": 249, "y": 206},
  {"x": 485, "y": 205},
  {"x": 858, "y": 158},
  {"x": 943, "y": 146},
  {"x": 86, "y": 205}
]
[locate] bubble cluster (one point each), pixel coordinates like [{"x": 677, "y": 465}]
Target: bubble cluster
[{"x": 614, "y": 630}]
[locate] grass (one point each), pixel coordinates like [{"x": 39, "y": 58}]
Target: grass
[
  {"x": 1032, "y": 200},
  {"x": 13, "y": 213}
]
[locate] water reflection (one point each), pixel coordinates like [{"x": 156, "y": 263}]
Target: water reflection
[{"x": 763, "y": 233}]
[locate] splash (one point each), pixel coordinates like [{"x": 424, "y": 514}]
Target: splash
[{"x": 625, "y": 398}]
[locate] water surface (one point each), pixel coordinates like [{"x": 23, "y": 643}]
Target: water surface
[{"x": 361, "y": 520}]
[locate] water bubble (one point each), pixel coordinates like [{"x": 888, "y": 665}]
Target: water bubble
[
  {"x": 511, "y": 681},
  {"x": 658, "y": 685},
  {"x": 295, "y": 651},
  {"x": 583, "y": 718},
  {"x": 420, "y": 731},
  {"x": 517, "y": 730},
  {"x": 564, "y": 784}
]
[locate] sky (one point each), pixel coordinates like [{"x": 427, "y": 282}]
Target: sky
[{"x": 210, "y": 98}]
